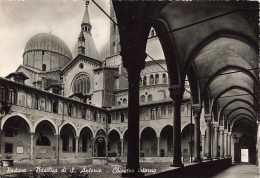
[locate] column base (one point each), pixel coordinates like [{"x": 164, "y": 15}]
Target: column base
[
  {"x": 221, "y": 157},
  {"x": 197, "y": 160},
  {"x": 132, "y": 174},
  {"x": 207, "y": 159},
  {"x": 216, "y": 157},
  {"x": 180, "y": 164}
]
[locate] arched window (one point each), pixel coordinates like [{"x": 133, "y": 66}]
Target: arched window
[
  {"x": 144, "y": 81},
  {"x": 151, "y": 80},
  {"x": 122, "y": 117},
  {"x": 12, "y": 96},
  {"x": 124, "y": 101},
  {"x": 95, "y": 116},
  {"x": 158, "y": 113},
  {"x": 150, "y": 97},
  {"x": 70, "y": 110},
  {"x": 153, "y": 114},
  {"x": 83, "y": 113},
  {"x": 117, "y": 117},
  {"x": 164, "y": 79},
  {"x": 141, "y": 81},
  {"x": 81, "y": 84},
  {"x": 44, "y": 67},
  {"x": 163, "y": 112},
  {"x": 43, "y": 141},
  {"x": 2, "y": 94},
  {"x": 156, "y": 78},
  {"x": 119, "y": 103},
  {"x": 142, "y": 98},
  {"x": 170, "y": 112}
]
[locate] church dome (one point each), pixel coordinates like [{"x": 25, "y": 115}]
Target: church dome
[
  {"x": 48, "y": 42},
  {"x": 45, "y": 51}
]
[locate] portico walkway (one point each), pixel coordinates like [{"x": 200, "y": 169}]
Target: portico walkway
[{"x": 239, "y": 171}]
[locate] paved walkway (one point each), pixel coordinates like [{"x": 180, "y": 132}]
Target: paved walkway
[{"x": 240, "y": 171}]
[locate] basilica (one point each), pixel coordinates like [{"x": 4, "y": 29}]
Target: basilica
[{"x": 70, "y": 106}]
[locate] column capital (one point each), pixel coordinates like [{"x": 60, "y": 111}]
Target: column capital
[
  {"x": 225, "y": 131},
  {"x": 133, "y": 59},
  {"x": 32, "y": 134},
  {"x": 221, "y": 132},
  {"x": 176, "y": 92},
  {"x": 196, "y": 108},
  {"x": 77, "y": 138},
  {"x": 158, "y": 138},
  {"x": 229, "y": 134},
  {"x": 207, "y": 117},
  {"x": 215, "y": 125},
  {"x": 56, "y": 136}
]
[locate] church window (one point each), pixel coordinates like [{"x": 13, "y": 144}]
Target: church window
[
  {"x": 43, "y": 141},
  {"x": 81, "y": 84},
  {"x": 119, "y": 103},
  {"x": 153, "y": 114},
  {"x": 151, "y": 80},
  {"x": 122, "y": 117},
  {"x": 150, "y": 97},
  {"x": 164, "y": 79},
  {"x": 144, "y": 81},
  {"x": 55, "y": 106},
  {"x": 70, "y": 110},
  {"x": 117, "y": 117},
  {"x": 2, "y": 94},
  {"x": 156, "y": 78},
  {"x": 95, "y": 116},
  {"x": 142, "y": 98},
  {"x": 170, "y": 112},
  {"x": 44, "y": 67},
  {"x": 12, "y": 96},
  {"x": 124, "y": 101}
]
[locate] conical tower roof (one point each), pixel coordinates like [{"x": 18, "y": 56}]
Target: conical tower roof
[{"x": 90, "y": 47}]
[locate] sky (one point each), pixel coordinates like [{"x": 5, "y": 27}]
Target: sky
[{"x": 21, "y": 19}]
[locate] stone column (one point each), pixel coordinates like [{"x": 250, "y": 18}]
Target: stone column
[
  {"x": 134, "y": 62},
  {"x": 176, "y": 93},
  {"x": 216, "y": 130},
  {"x": 77, "y": 147},
  {"x": 221, "y": 132},
  {"x": 226, "y": 143},
  {"x": 2, "y": 134},
  {"x": 93, "y": 145},
  {"x": 158, "y": 146},
  {"x": 229, "y": 144},
  {"x": 122, "y": 147},
  {"x": 57, "y": 148},
  {"x": 203, "y": 144},
  {"x": 208, "y": 138},
  {"x": 196, "y": 113},
  {"x": 32, "y": 145}
]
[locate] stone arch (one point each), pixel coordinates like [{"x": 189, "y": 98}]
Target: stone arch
[
  {"x": 214, "y": 100},
  {"x": 194, "y": 84},
  {"x": 98, "y": 131},
  {"x": 156, "y": 132},
  {"x": 216, "y": 74},
  {"x": 238, "y": 116},
  {"x": 233, "y": 101},
  {"x": 19, "y": 115},
  {"x": 74, "y": 129},
  {"x": 119, "y": 133},
  {"x": 49, "y": 120},
  {"x": 85, "y": 126},
  {"x": 238, "y": 119},
  {"x": 239, "y": 108}
]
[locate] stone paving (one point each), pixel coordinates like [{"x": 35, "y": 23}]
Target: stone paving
[{"x": 239, "y": 171}]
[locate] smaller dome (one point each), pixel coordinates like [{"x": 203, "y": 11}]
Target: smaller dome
[{"x": 48, "y": 42}]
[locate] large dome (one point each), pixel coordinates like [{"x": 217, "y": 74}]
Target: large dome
[
  {"x": 48, "y": 42},
  {"x": 45, "y": 51}
]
